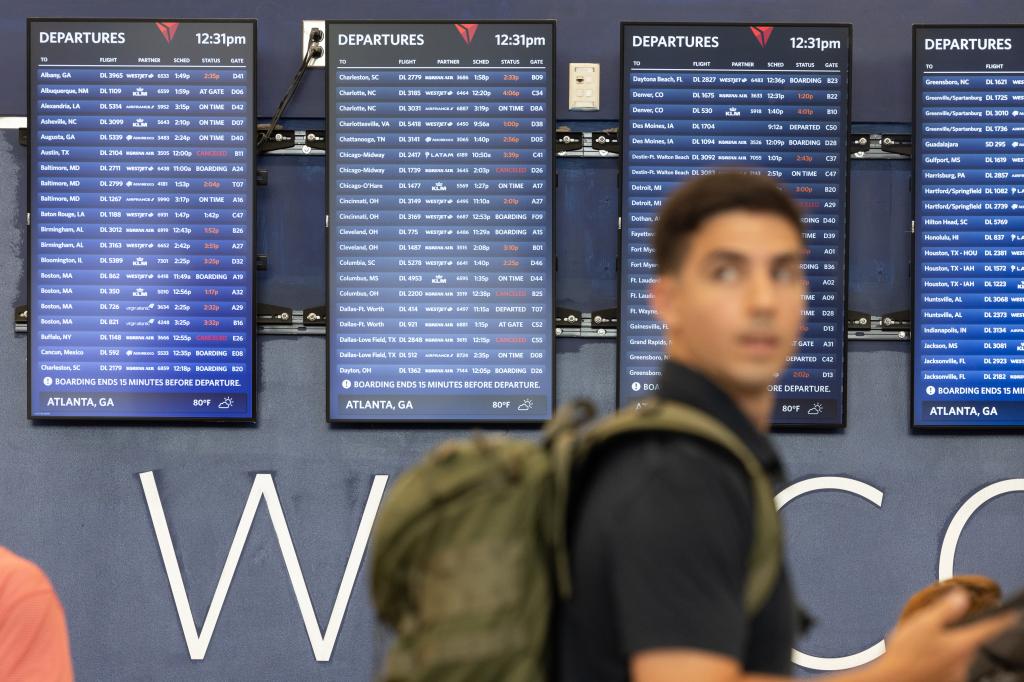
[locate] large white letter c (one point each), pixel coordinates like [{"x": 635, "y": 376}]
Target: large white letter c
[
  {"x": 872, "y": 495},
  {"x": 947, "y": 554}
]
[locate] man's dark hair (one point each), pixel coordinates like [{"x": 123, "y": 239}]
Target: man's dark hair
[{"x": 688, "y": 207}]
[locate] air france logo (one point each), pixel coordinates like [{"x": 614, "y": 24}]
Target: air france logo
[
  {"x": 168, "y": 29},
  {"x": 762, "y": 33},
  {"x": 467, "y": 31}
]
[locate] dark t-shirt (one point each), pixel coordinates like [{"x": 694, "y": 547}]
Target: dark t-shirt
[{"x": 660, "y": 532}]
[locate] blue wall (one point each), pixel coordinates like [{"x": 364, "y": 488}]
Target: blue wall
[{"x": 71, "y": 496}]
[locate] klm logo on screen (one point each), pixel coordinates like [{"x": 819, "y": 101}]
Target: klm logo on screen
[
  {"x": 168, "y": 29},
  {"x": 198, "y": 638},
  {"x": 467, "y": 31},
  {"x": 762, "y": 34}
]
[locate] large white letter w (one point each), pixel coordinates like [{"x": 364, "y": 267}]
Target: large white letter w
[{"x": 262, "y": 488}]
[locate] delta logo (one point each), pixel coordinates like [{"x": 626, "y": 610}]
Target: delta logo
[
  {"x": 168, "y": 29},
  {"x": 467, "y": 31},
  {"x": 762, "y": 34}
]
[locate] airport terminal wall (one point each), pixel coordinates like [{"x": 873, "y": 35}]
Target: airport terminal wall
[{"x": 873, "y": 512}]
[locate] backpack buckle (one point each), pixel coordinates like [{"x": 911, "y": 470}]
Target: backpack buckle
[{"x": 570, "y": 417}]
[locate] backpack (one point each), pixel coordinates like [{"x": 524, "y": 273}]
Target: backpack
[{"x": 469, "y": 550}]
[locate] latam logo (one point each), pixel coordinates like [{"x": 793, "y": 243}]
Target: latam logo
[
  {"x": 762, "y": 33},
  {"x": 168, "y": 29},
  {"x": 467, "y": 31}
]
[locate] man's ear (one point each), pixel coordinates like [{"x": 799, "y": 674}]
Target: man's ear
[{"x": 663, "y": 292}]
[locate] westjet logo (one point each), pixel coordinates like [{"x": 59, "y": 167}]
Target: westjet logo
[
  {"x": 168, "y": 29},
  {"x": 198, "y": 639},
  {"x": 762, "y": 34},
  {"x": 467, "y": 31}
]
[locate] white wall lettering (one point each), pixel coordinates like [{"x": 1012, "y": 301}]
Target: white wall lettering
[
  {"x": 262, "y": 488},
  {"x": 872, "y": 495},
  {"x": 947, "y": 554}
]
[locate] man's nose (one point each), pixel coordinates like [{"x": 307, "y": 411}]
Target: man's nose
[{"x": 761, "y": 294}]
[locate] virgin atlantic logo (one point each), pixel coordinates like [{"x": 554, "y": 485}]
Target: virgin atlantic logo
[
  {"x": 467, "y": 31},
  {"x": 168, "y": 29},
  {"x": 762, "y": 33}
]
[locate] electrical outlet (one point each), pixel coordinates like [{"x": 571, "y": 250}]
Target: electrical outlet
[
  {"x": 584, "y": 86},
  {"x": 307, "y": 26}
]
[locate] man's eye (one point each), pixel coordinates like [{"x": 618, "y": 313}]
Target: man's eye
[
  {"x": 725, "y": 273},
  {"x": 787, "y": 273}
]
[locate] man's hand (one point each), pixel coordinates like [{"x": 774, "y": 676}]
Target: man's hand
[{"x": 929, "y": 648}]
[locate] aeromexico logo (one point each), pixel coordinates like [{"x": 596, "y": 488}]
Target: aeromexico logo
[
  {"x": 467, "y": 31},
  {"x": 762, "y": 34},
  {"x": 168, "y": 29}
]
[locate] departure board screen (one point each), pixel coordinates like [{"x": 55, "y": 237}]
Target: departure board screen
[
  {"x": 772, "y": 100},
  {"x": 141, "y": 202},
  {"x": 440, "y": 221},
  {"x": 969, "y": 227}
]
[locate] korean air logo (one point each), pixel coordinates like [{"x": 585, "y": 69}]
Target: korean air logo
[
  {"x": 168, "y": 29},
  {"x": 467, "y": 31},
  {"x": 762, "y": 34}
]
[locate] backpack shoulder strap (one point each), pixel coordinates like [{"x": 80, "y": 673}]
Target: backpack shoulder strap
[{"x": 765, "y": 560}]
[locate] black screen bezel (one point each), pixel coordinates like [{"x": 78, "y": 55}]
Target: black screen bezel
[
  {"x": 253, "y": 349},
  {"x": 376, "y": 421},
  {"x": 810, "y": 426}
]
